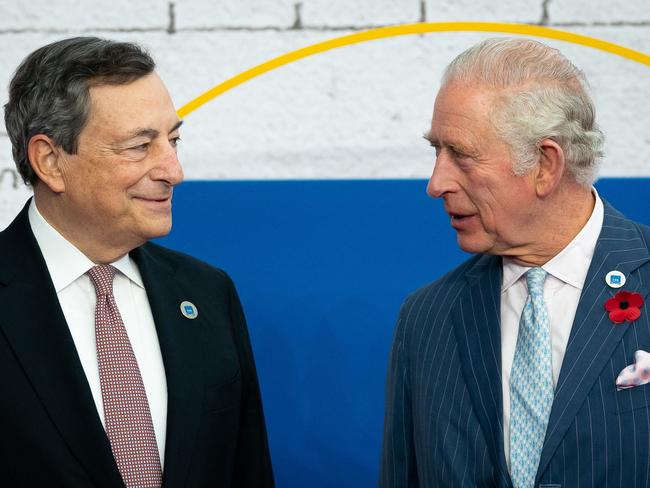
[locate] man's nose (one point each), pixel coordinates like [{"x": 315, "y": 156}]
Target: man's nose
[
  {"x": 169, "y": 167},
  {"x": 442, "y": 179}
]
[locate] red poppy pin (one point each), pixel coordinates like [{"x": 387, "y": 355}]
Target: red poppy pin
[{"x": 624, "y": 306}]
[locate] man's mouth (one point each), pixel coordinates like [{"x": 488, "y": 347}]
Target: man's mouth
[
  {"x": 157, "y": 202},
  {"x": 458, "y": 219},
  {"x": 159, "y": 199}
]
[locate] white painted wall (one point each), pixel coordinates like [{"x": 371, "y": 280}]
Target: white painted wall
[{"x": 354, "y": 112}]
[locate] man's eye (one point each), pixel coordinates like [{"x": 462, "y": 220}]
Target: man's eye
[
  {"x": 456, "y": 153},
  {"x": 174, "y": 141},
  {"x": 140, "y": 147}
]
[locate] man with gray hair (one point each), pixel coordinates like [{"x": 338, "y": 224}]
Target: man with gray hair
[
  {"x": 122, "y": 363},
  {"x": 526, "y": 366}
]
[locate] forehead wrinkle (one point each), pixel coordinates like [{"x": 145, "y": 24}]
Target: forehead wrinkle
[
  {"x": 454, "y": 112},
  {"x": 149, "y": 132},
  {"x": 457, "y": 137}
]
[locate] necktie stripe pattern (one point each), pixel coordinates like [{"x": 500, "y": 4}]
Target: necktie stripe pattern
[
  {"x": 531, "y": 384},
  {"x": 126, "y": 410}
]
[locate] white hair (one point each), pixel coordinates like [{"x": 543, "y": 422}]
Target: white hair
[{"x": 541, "y": 95}]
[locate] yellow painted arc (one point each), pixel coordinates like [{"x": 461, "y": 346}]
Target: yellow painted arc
[{"x": 406, "y": 29}]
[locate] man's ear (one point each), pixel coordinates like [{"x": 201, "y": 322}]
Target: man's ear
[
  {"x": 550, "y": 169},
  {"x": 45, "y": 158}
]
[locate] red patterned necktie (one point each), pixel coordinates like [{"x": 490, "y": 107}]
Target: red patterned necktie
[{"x": 126, "y": 409}]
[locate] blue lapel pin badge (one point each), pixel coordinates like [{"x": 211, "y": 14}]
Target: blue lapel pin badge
[
  {"x": 189, "y": 310},
  {"x": 615, "y": 279}
]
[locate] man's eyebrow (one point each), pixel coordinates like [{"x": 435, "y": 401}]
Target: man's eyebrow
[
  {"x": 150, "y": 133},
  {"x": 432, "y": 140},
  {"x": 176, "y": 126}
]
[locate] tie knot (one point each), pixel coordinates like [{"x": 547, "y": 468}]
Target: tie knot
[
  {"x": 102, "y": 277},
  {"x": 535, "y": 278}
]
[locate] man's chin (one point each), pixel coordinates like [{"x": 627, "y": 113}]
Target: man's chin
[
  {"x": 157, "y": 229},
  {"x": 472, "y": 245}
]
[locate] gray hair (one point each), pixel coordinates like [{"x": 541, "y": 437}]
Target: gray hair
[
  {"x": 48, "y": 93},
  {"x": 541, "y": 95}
]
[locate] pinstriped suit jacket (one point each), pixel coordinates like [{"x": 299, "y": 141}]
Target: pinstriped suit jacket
[{"x": 443, "y": 424}]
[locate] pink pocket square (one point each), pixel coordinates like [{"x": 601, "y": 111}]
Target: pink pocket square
[{"x": 637, "y": 374}]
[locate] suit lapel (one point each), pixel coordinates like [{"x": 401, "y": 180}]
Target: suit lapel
[
  {"x": 593, "y": 337},
  {"x": 39, "y": 336},
  {"x": 476, "y": 318},
  {"x": 179, "y": 339}
]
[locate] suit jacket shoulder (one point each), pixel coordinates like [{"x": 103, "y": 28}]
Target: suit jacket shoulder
[
  {"x": 179, "y": 262},
  {"x": 443, "y": 292}
]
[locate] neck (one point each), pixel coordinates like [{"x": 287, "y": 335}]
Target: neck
[
  {"x": 99, "y": 249},
  {"x": 560, "y": 217}
]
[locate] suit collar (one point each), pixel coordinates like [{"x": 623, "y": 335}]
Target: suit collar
[
  {"x": 41, "y": 340},
  {"x": 476, "y": 318},
  {"x": 485, "y": 263},
  {"x": 179, "y": 339},
  {"x": 593, "y": 337}
]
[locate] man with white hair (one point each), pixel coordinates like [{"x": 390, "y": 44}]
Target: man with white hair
[{"x": 526, "y": 366}]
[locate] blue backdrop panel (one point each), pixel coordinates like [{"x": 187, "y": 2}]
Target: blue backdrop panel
[{"x": 322, "y": 268}]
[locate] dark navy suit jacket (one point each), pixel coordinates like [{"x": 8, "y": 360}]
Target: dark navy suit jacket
[
  {"x": 444, "y": 414},
  {"x": 50, "y": 432}
]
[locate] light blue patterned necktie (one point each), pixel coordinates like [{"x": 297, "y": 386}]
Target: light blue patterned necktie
[{"x": 531, "y": 384}]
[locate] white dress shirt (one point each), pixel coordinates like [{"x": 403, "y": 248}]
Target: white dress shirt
[
  {"x": 76, "y": 293},
  {"x": 567, "y": 272}
]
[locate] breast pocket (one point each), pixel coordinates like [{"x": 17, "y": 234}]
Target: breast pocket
[
  {"x": 224, "y": 395},
  {"x": 631, "y": 399}
]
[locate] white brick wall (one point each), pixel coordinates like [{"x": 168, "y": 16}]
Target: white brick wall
[
  {"x": 524, "y": 11},
  {"x": 359, "y": 12},
  {"x": 357, "y": 111},
  {"x": 77, "y": 16},
  {"x": 192, "y": 14},
  {"x": 599, "y": 11}
]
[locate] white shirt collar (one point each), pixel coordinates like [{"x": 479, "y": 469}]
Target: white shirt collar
[
  {"x": 64, "y": 261},
  {"x": 572, "y": 263}
]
